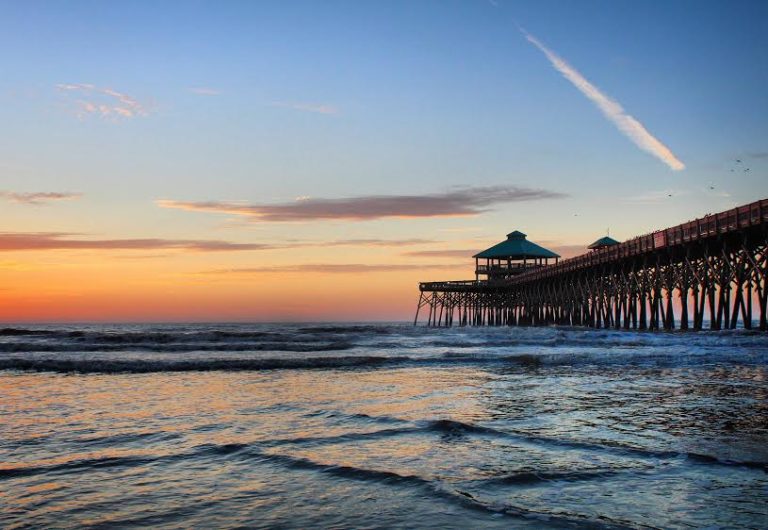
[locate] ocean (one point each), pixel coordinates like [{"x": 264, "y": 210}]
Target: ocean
[{"x": 381, "y": 426}]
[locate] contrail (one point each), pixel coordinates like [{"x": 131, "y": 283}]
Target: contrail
[{"x": 612, "y": 110}]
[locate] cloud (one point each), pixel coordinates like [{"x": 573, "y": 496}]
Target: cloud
[
  {"x": 455, "y": 253},
  {"x": 366, "y": 243},
  {"x": 104, "y": 102},
  {"x": 38, "y": 198},
  {"x": 204, "y": 91},
  {"x": 760, "y": 155},
  {"x": 333, "y": 268},
  {"x": 458, "y": 202},
  {"x": 319, "y": 108},
  {"x": 19, "y": 241},
  {"x": 611, "y": 109}
]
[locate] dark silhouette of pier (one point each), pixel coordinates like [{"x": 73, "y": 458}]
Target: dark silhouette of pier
[{"x": 710, "y": 272}]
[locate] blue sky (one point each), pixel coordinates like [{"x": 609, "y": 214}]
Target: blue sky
[{"x": 261, "y": 103}]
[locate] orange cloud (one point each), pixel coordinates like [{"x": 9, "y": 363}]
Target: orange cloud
[
  {"x": 63, "y": 241},
  {"x": 450, "y": 253},
  {"x": 334, "y": 268}
]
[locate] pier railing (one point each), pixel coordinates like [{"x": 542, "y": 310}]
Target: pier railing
[{"x": 727, "y": 222}]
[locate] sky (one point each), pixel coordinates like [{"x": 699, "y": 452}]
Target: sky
[{"x": 313, "y": 161}]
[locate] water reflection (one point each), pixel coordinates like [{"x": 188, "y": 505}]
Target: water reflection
[{"x": 471, "y": 444}]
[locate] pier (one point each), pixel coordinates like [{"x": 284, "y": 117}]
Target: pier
[{"x": 706, "y": 273}]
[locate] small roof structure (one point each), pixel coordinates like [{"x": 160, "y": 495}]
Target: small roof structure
[
  {"x": 606, "y": 241},
  {"x": 516, "y": 246}
]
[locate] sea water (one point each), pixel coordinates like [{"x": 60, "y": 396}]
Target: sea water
[{"x": 381, "y": 426}]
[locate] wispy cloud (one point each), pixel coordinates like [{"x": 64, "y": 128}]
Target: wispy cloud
[
  {"x": 16, "y": 241},
  {"x": 19, "y": 241},
  {"x": 204, "y": 91},
  {"x": 104, "y": 102},
  {"x": 611, "y": 109},
  {"x": 38, "y": 198},
  {"x": 333, "y": 268},
  {"x": 319, "y": 108},
  {"x": 365, "y": 243},
  {"x": 450, "y": 253},
  {"x": 458, "y": 202}
]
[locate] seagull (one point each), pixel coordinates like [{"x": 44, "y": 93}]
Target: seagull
[
  {"x": 746, "y": 170},
  {"x": 711, "y": 187},
  {"x": 738, "y": 161},
  {"x": 669, "y": 195}
]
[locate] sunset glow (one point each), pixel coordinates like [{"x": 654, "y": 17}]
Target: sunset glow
[{"x": 247, "y": 163}]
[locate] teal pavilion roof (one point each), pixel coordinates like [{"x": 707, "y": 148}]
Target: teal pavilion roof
[
  {"x": 606, "y": 241},
  {"x": 516, "y": 246}
]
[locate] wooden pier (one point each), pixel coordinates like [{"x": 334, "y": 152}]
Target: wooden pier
[{"x": 707, "y": 273}]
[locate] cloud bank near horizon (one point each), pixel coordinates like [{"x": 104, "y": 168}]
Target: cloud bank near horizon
[
  {"x": 611, "y": 109},
  {"x": 454, "y": 203}
]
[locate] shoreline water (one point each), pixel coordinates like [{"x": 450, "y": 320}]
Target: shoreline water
[{"x": 416, "y": 427}]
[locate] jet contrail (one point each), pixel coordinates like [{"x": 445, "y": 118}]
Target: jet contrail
[{"x": 612, "y": 110}]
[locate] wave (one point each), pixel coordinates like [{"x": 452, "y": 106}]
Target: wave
[
  {"x": 15, "y": 332},
  {"x": 174, "y": 347},
  {"x": 182, "y": 334},
  {"x": 75, "y": 465},
  {"x": 314, "y": 338},
  {"x": 432, "y": 487},
  {"x": 110, "y": 364},
  {"x": 117, "y": 366},
  {"x": 370, "y": 329}
]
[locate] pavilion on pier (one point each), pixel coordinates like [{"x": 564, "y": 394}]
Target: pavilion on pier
[
  {"x": 603, "y": 242},
  {"x": 511, "y": 257}
]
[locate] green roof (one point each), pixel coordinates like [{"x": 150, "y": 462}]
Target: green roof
[
  {"x": 603, "y": 242},
  {"x": 516, "y": 247}
]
